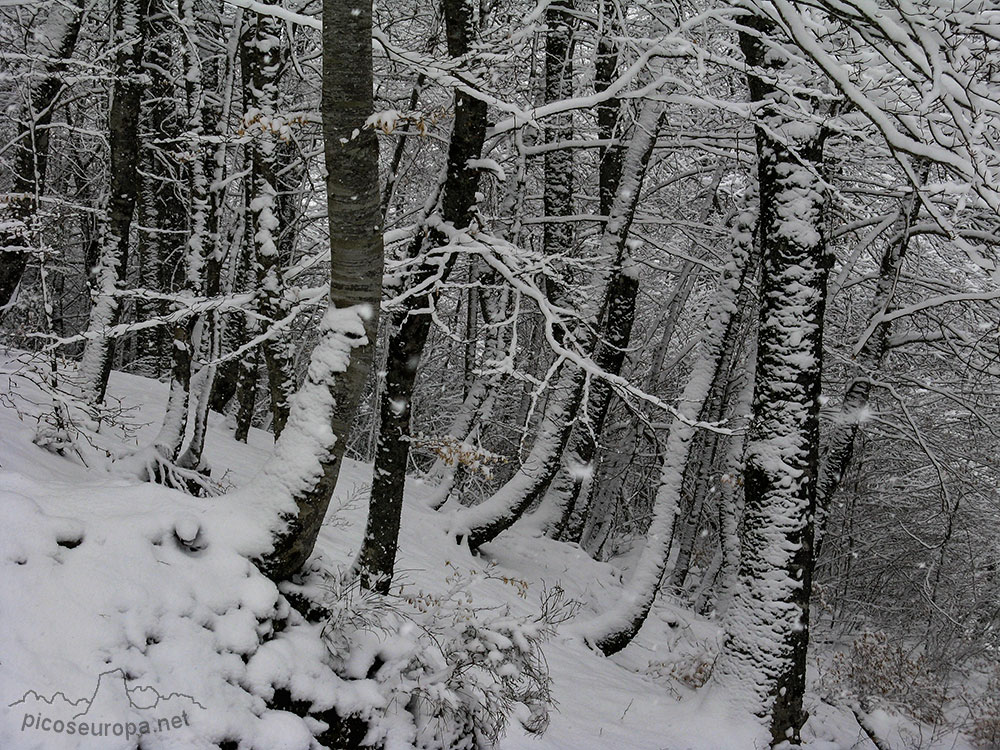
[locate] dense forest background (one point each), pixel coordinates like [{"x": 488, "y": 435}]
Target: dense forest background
[{"x": 709, "y": 290}]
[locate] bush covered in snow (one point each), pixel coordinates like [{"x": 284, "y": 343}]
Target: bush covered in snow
[{"x": 442, "y": 671}]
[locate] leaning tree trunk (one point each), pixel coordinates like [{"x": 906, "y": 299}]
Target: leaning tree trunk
[
  {"x": 262, "y": 58},
  {"x": 839, "y": 447},
  {"x": 763, "y": 661},
  {"x": 308, "y": 456},
  {"x": 591, "y": 523},
  {"x": 412, "y": 323},
  {"x": 31, "y": 147},
  {"x": 570, "y": 490},
  {"x": 576, "y": 471},
  {"x": 486, "y": 521},
  {"x": 616, "y": 628},
  {"x": 131, "y": 27}
]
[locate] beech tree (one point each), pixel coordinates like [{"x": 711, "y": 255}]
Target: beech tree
[
  {"x": 308, "y": 457},
  {"x": 767, "y": 631},
  {"x": 707, "y": 293}
]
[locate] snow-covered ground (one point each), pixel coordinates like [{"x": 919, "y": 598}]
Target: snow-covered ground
[{"x": 138, "y": 601}]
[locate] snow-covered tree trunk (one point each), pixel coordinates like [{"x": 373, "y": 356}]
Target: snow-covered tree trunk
[
  {"x": 486, "y": 521},
  {"x": 615, "y": 629},
  {"x": 308, "y": 456},
  {"x": 54, "y": 43},
  {"x": 482, "y": 394},
  {"x": 569, "y": 494},
  {"x": 131, "y": 26},
  {"x": 763, "y": 661},
  {"x": 218, "y": 81},
  {"x": 190, "y": 332},
  {"x": 411, "y": 325},
  {"x": 573, "y": 481},
  {"x": 262, "y": 59}
]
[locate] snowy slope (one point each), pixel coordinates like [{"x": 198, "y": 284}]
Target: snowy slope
[{"x": 101, "y": 574}]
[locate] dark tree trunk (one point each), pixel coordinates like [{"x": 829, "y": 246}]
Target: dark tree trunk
[
  {"x": 262, "y": 60},
  {"x": 557, "y": 192},
  {"x": 308, "y": 456},
  {"x": 161, "y": 207},
  {"x": 124, "y": 190},
  {"x": 411, "y": 325},
  {"x": 246, "y": 394},
  {"x": 767, "y": 633},
  {"x": 609, "y": 110}
]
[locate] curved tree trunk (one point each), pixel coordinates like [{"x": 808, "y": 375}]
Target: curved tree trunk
[
  {"x": 412, "y": 324},
  {"x": 484, "y": 522},
  {"x": 708, "y": 446},
  {"x": 308, "y": 456},
  {"x": 616, "y": 628}
]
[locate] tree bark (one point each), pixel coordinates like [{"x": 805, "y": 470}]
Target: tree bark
[
  {"x": 576, "y": 470},
  {"x": 262, "y": 57},
  {"x": 131, "y": 27},
  {"x": 411, "y": 324},
  {"x": 557, "y": 163},
  {"x": 763, "y": 660},
  {"x": 308, "y": 456}
]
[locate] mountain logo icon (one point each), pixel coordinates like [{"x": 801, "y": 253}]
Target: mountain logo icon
[{"x": 114, "y": 709}]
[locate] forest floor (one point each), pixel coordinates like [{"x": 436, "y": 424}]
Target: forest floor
[{"x": 92, "y": 581}]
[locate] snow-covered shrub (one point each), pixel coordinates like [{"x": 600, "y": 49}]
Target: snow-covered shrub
[
  {"x": 879, "y": 673},
  {"x": 454, "y": 452},
  {"x": 689, "y": 663},
  {"x": 442, "y": 672},
  {"x": 689, "y": 669}
]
